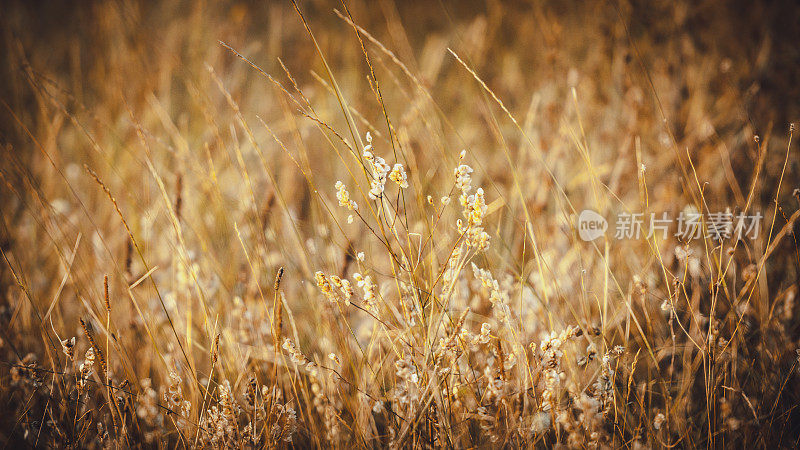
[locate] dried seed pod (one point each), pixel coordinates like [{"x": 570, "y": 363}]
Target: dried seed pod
[
  {"x": 105, "y": 293},
  {"x": 278, "y": 277}
]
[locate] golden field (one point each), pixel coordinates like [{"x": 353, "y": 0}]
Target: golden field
[{"x": 362, "y": 224}]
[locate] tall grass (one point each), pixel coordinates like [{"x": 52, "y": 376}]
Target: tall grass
[{"x": 355, "y": 225}]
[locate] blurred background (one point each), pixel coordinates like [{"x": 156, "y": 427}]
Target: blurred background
[{"x": 223, "y": 166}]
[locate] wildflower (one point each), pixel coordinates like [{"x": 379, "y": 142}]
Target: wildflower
[
  {"x": 102, "y": 434},
  {"x": 86, "y": 367},
  {"x": 68, "y": 347},
  {"x": 604, "y": 385},
  {"x": 370, "y": 297},
  {"x": 324, "y": 286},
  {"x": 332, "y": 356},
  {"x": 659, "y": 421},
  {"x": 344, "y": 196},
  {"x": 344, "y": 286},
  {"x": 407, "y": 390},
  {"x": 174, "y": 396},
  {"x": 380, "y": 171},
  {"x": 398, "y": 175},
  {"x": 297, "y": 357},
  {"x": 290, "y": 423},
  {"x": 463, "y": 178},
  {"x": 474, "y": 207},
  {"x": 497, "y": 297},
  {"x": 487, "y": 422},
  {"x": 591, "y": 351},
  {"x": 483, "y": 338},
  {"x": 368, "y": 147}
]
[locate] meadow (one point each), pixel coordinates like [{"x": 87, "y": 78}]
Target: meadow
[{"x": 398, "y": 224}]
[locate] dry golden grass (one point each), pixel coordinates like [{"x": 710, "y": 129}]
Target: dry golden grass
[{"x": 354, "y": 224}]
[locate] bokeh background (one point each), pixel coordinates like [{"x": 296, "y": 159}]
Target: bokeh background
[{"x": 223, "y": 166}]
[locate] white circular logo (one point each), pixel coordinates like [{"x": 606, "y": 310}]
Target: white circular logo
[{"x": 591, "y": 225}]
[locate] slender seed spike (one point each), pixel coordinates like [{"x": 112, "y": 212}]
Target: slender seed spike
[
  {"x": 105, "y": 293},
  {"x": 278, "y": 277},
  {"x": 215, "y": 351}
]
